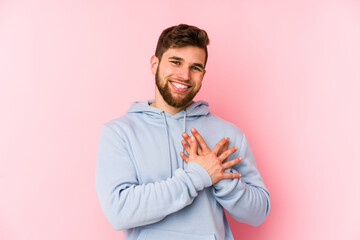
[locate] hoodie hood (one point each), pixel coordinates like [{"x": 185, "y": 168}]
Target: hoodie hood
[{"x": 197, "y": 109}]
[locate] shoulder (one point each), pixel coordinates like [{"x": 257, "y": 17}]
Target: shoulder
[
  {"x": 213, "y": 128},
  {"x": 119, "y": 125},
  {"x": 224, "y": 125},
  {"x": 119, "y": 121}
]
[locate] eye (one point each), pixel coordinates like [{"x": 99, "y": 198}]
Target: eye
[
  {"x": 175, "y": 62},
  {"x": 196, "y": 68}
]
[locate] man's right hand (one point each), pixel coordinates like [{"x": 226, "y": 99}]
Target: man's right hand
[{"x": 213, "y": 161}]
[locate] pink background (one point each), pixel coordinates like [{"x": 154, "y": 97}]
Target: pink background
[{"x": 286, "y": 72}]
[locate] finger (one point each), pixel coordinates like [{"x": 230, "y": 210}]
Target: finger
[
  {"x": 193, "y": 145},
  {"x": 227, "y": 153},
  {"x": 185, "y": 146},
  {"x": 231, "y": 163},
  {"x": 186, "y": 137},
  {"x": 219, "y": 145},
  {"x": 200, "y": 140},
  {"x": 231, "y": 175},
  {"x": 184, "y": 157},
  {"x": 223, "y": 148}
]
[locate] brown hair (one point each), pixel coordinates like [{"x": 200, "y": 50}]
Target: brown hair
[{"x": 181, "y": 36}]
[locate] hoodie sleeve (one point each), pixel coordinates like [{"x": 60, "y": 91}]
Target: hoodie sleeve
[
  {"x": 246, "y": 199},
  {"x": 127, "y": 204}
]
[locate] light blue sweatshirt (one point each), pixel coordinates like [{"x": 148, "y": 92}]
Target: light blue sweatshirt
[{"x": 147, "y": 190}]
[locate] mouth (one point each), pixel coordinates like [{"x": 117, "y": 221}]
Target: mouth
[{"x": 179, "y": 87}]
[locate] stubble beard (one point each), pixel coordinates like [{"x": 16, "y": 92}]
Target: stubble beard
[{"x": 165, "y": 92}]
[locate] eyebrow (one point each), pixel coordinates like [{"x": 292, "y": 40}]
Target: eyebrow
[{"x": 180, "y": 59}]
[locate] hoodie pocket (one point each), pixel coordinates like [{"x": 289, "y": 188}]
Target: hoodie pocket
[{"x": 155, "y": 234}]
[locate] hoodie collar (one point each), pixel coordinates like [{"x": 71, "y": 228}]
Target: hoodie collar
[{"x": 199, "y": 108}]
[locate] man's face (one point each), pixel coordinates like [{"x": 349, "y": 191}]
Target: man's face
[{"x": 179, "y": 75}]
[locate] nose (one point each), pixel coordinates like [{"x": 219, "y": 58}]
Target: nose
[{"x": 184, "y": 73}]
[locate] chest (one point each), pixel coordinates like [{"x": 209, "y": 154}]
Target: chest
[{"x": 155, "y": 151}]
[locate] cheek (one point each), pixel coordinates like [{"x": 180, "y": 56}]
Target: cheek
[
  {"x": 167, "y": 72},
  {"x": 198, "y": 80}
]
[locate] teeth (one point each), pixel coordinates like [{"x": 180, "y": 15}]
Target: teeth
[{"x": 178, "y": 85}]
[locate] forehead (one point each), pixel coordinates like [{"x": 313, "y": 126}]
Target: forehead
[{"x": 190, "y": 54}]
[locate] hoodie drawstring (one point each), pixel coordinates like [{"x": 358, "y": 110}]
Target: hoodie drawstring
[
  {"x": 185, "y": 115},
  {"x": 168, "y": 141},
  {"x": 168, "y": 138}
]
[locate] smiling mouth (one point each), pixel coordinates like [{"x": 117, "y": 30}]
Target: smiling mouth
[{"x": 179, "y": 85}]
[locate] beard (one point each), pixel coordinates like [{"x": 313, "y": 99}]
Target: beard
[{"x": 165, "y": 92}]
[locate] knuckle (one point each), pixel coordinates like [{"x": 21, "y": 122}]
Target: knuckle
[
  {"x": 219, "y": 168},
  {"x": 226, "y": 155}
]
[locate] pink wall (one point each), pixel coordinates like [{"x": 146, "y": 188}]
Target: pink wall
[{"x": 286, "y": 72}]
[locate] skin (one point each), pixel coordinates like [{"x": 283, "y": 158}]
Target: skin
[
  {"x": 186, "y": 66},
  {"x": 180, "y": 65},
  {"x": 214, "y": 161}
]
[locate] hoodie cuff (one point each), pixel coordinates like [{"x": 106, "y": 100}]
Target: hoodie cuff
[{"x": 199, "y": 176}]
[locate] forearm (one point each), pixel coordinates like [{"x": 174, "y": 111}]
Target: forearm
[
  {"x": 130, "y": 205},
  {"x": 245, "y": 202}
]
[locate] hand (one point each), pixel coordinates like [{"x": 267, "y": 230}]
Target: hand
[{"x": 213, "y": 161}]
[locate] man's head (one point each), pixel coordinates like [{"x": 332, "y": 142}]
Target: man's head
[
  {"x": 182, "y": 35},
  {"x": 179, "y": 64}
]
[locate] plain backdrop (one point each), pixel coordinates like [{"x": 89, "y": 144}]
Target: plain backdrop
[{"x": 286, "y": 72}]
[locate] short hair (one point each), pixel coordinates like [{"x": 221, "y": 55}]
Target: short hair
[{"x": 182, "y": 35}]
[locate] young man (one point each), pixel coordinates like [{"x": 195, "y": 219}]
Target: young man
[{"x": 153, "y": 180}]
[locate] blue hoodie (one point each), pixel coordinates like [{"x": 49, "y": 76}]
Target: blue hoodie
[{"x": 147, "y": 190}]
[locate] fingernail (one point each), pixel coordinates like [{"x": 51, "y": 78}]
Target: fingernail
[
  {"x": 236, "y": 148},
  {"x": 192, "y": 138},
  {"x": 193, "y": 129}
]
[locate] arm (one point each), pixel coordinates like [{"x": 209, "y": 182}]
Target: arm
[
  {"x": 245, "y": 199},
  {"x": 126, "y": 203}
]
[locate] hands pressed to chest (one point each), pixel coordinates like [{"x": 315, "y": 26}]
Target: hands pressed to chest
[{"x": 214, "y": 161}]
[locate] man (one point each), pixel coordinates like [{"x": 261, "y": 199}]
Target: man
[{"x": 153, "y": 180}]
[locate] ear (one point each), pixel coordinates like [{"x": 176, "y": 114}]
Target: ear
[{"x": 154, "y": 64}]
